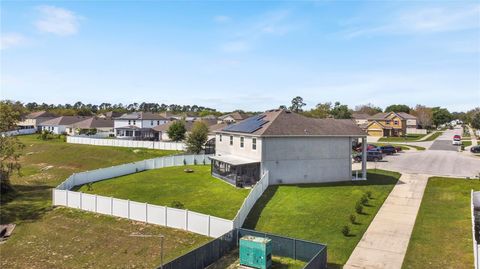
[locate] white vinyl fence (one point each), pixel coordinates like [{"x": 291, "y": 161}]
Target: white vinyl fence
[
  {"x": 161, "y": 215},
  {"x": 416, "y": 131},
  {"x": 250, "y": 201},
  {"x": 475, "y": 196},
  {"x": 126, "y": 143},
  {"x": 144, "y": 212},
  {"x": 19, "y": 132}
]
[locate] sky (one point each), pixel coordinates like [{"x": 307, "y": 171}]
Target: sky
[{"x": 250, "y": 55}]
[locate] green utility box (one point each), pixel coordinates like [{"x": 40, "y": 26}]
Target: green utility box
[{"x": 256, "y": 252}]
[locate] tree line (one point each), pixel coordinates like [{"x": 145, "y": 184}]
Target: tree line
[{"x": 427, "y": 117}]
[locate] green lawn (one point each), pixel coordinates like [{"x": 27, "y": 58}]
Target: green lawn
[
  {"x": 317, "y": 212},
  {"x": 466, "y": 143},
  {"x": 434, "y": 136},
  {"x": 407, "y": 138},
  {"x": 416, "y": 147},
  {"x": 197, "y": 191},
  {"x": 45, "y": 164},
  {"x": 442, "y": 236}
]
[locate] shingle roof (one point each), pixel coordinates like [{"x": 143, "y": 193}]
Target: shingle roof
[
  {"x": 381, "y": 116},
  {"x": 406, "y": 115},
  {"x": 285, "y": 123},
  {"x": 236, "y": 116},
  {"x": 360, "y": 116},
  {"x": 141, "y": 116},
  {"x": 94, "y": 122},
  {"x": 38, "y": 114},
  {"x": 64, "y": 120}
]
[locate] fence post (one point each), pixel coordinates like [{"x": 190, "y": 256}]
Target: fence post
[
  {"x": 81, "y": 195},
  {"x": 53, "y": 196},
  {"x": 166, "y": 214},
  {"x": 209, "y": 225},
  {"x": 186, "y": 219},
  {"x": 96, "y": 207},
  {"x": 146, "y": 212},
  {"x": 294, "y": 248},
  {"x": 128, "y": 208},
  {"x": 111, "y": 206},
  {"x": 67, "y": 198}
]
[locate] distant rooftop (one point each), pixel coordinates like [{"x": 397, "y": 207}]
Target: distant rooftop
[{"x": 141, "y": 116}]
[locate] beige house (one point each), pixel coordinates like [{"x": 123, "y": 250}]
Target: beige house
[
  {"x": 33, "y": 120},
  {"x": 390, "y": 124},
  {"x": 232, "y": 117}
]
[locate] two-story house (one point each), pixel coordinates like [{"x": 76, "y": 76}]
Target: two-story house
[
  {"x": 291, "y": 147},
  {"x": 232, "y": 117},
  {"x": 390, "y": 124},
  {"x": 34, "y": 119},
  {"x": 138, "y": 125}
]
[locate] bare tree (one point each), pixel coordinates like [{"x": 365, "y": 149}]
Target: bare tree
[{"x": 424, "y": 115}]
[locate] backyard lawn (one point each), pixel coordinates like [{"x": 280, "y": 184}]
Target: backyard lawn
[
  {"x": 45, "y": 164},
  {"x": 197, "y": 191},
  {"x": 318, "y": 212},
  {"x": 442, "y": 236}
]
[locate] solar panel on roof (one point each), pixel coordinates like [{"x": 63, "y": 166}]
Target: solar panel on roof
[{"x": 249, "y": 125}]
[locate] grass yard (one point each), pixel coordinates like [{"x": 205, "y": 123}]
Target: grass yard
[
  {"x": 68, "y": 238},
  {"x": 318, "y": 212},
  {"x": 434, "y": 136},
  {"x": 442, "y": 236},
  {"x": 407, "y": 138},
  {"x": 197, "y": 191},
  {"x": 466, "y": 143},
  {"x": 416, "y": 147},
  {"x": 45, "y": 164}
]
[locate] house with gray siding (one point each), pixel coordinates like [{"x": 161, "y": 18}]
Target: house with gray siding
[
  {"x": 292, "y": 148},
  {"x": 138, "y": 125}
]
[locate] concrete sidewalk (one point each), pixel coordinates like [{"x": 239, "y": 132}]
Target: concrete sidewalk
[{"x": 385, "y": 242}]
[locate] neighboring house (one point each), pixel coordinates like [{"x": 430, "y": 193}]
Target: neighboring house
[
  {"x": 291, "y": 147},
  {"x": 161, "y": 131},
  {"x": 392, "y": 124},
  {"x": 180, "y": 116},
  {"x": 62, "y": 124},
  {"x": 94, "y": 126},
  {"x": 34, "y": 119},
  {"x": 138, "y": 125},
  {"x": 361, "y": 119},
  {"x": 109, "y": 114},
  {"x": 232, "y": 117}
]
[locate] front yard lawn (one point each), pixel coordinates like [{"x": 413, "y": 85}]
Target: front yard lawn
[
  {"x": 407, "y": 138},
  {"x": 197, "y": 191},
  {"x": 442, "y": 236},
  {"x": 466, "y": 143},
  {"x": 434, "y": 136},
  {"x": 318, "y": 212}
]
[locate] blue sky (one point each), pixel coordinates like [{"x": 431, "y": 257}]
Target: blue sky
[{"x": 242, "y": 54}]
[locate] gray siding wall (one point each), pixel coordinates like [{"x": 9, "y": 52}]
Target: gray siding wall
[{"x": 307, "y": 159}]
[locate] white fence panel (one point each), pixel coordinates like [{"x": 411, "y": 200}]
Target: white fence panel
[
  {"x": 104, "y": 205},
  {"x": 120, "y": 208},
  {"x": 138, "y": 211},
  {"x": 74, "y": 199},
  {"x": 475, "y": 202},
  {"x": 198, "y": 223},
  {"x": 219, "y": 226},
  {"x": 176, "y": 218},
  {"x": 250, "y": 201},
  {"x": 59, "y": 197},
  {"x": 157, "y": 214},
  {"x": 89, "y": 202}
]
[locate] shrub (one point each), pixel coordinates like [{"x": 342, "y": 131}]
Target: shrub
[
  {"x": 353, "y": 218},
  {"x": 204, "y": 161},
  {"x": 177, "y": 204},
  {"x": 369, "y": 194},
  {"x": 346, "y": 230},
  {"x": 184, "y": 162},
  {"x": 89, "y": 186},
  {"x": 194, "y": 161},
  {"x": 359, "y": 208},
  {"x": 364, "y": 200}
]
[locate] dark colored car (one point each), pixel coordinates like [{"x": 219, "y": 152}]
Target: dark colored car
[
  {"x": 475, "y": 149},
  {"x": 388, "y": 149},
  {"x": 372, "y": 156}
]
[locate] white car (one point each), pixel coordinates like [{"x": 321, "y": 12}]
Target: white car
[{"x": 456, "y": 142}]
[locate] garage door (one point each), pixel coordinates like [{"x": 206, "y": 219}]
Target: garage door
[{"x": 375, "y": 132}]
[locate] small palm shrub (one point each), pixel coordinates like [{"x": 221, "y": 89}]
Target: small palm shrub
[
  {"x": 346, "y": 230},
  {"x": 353, "y": 218},
  {"x": 359, "y": 208}
]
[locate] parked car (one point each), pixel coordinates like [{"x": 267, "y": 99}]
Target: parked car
[
  {"x": 456, "y": 142},
  {"x": 372, "y": 156},
  {"x": 457, "y": 137},
  {"x": 388, "y": 149},
  {"x": 475, "y": 149}
]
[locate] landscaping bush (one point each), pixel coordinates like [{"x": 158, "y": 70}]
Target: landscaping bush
[
  {"x": 359, "y": 208},
  {"x": 177, "y": 204},
  {"x": 184, "y": 162},
  {"x": 369, "y": 194},
  {"x": 364, "y": 199},
  {"x": 194, "y": 161},
  {"x": 346, "y": 230},
  {"x": 353, "y": 218}
]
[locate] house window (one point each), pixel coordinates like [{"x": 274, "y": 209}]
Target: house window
[
  {"x": 129, "y": 133},
  {"x": 387, "y": 122},
  {"x": 158, "y": 122},
  {"x": 129, "y": 122},
  {"x": 134, "y": 122},
  {"x": 395, "y": 122},
  {"x": 231, "y": 140},
  {"x": 242, "y": 141},
  {"x": 254, "y": 143},
  {"x": 151, "y": 122},
  {"x": 220, "y": 137}
]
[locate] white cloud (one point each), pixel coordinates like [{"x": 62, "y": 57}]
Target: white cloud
[
  {"x": 270, "y": 24},
  {"x": 222, "y": 18},
  {"x": 57, "y": 21},
  {"x": 425, "y": 20},
  {"x": 10, "y": 40}
]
